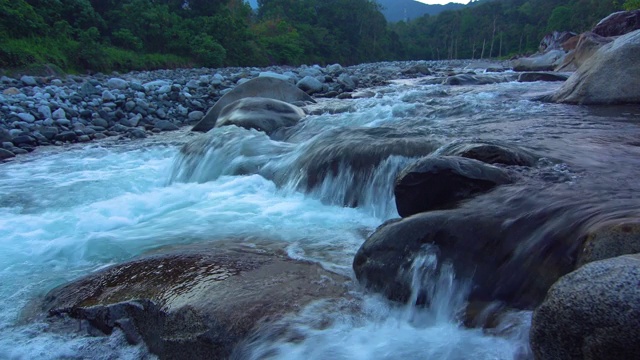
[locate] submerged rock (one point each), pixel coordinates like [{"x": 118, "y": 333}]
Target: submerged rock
[
  {"x": 610, "y": 76},
  {"x": 491, "y": 153},
  {"x": 435, "y": 183},
  {"x": 266, "y": 87},
  {"x": 195, "y": 302},
  {"x": 262, "y": 114},
  {"x": 591, "y": 313}
]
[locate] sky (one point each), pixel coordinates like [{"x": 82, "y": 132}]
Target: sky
[{"x": 432, "y": 2}]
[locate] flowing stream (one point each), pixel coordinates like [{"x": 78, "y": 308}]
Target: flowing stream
[{"x": 67, "y": 212}]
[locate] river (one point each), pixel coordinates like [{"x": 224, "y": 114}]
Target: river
[{"x": 68, "y": 212}]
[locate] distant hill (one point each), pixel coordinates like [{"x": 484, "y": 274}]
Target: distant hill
[{"x": 399, "y": 10}]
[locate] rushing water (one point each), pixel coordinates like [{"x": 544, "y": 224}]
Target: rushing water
[{"x": 65, "y": 213}]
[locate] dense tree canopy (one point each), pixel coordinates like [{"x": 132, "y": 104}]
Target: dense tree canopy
[{"x": 100, "y": 35}]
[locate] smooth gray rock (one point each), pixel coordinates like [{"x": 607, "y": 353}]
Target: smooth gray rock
[
  {"x": 88, "y": 89},
  {"x": 591, "y": 313},
  {"x": 195, "y": 115},
  {"x": 274, "y": 75},
  {"x": 26, "y": 117},
  {"x": 610, "y": 76},
  {"x": 117, "y": 83},
  {"x": 310, "y": 85},
  {"x": 262, "y": 114},
  {"x": 59, "y": 114},
  {"x": 490, "y": 152},
  {"x": 45, "y": 111},
  {"x": 28, "y": 80},
  {"x": 543, "y": 62},
  {"x": 265, "y": 87},
  {"x": 108, "y": 96},
  {"x": 347, "y": 82}
]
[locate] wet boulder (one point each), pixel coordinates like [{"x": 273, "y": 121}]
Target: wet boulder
[
  {"x": 591, "y": 313},
  {"x": 491, "y": 152},
  {"x": 541, "y": 62},
  {"x": 618, "y": 23},
  {"x": 433, "y": 183},
  {"x": 262, "y": 114},
  {"x": 541, "y": 76},
  {"x": 610, "y": 240},
  {"x": 265, "y": 87},
  {"x": 355, "y": 155},
  {"x": 512, "y": 253},
  {"x": 469, "y": 79},
  {"x": 610, "y": 76},
  {"x": 196, "y": 302}
]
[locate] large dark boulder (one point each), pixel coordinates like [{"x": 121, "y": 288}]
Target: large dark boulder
[
  {"x": 195, "y": 302},
  {"x": 610, "y": 76},
  {"x": 262, "y": 114},
  {"x": 491, "y": 152},
  {"x": 433, "y": 183},
  {"x": 618, "y": 23},
  {"x": 265, "y": 87},
  {"x": 512, "y": 253},
  {"x": 591, "y": 313}
]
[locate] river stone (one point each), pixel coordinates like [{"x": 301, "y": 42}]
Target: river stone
[
  {"x": 591, "y": 313},
  {"x": 491, "y": 153},
  {"x": 195, "y": 115},
  {"x": 196, "y": 302},
  {"x": 11, "y": 91},
  {"x": 28, "y": 80},
  {"x": 6, "y": 154},
  {"x": 542, "y": 62},
  {"x": 66, "y": 136},
  {"x": 610, "y": 240},
  {"x": 610, "y": 76},
  {"x": 165, "y": 125},
  {"x": 512, "y": 254},
  {"x": 266, "y": 87},
  {"x": 618, "y": 23},
  {"x": 468, "y": 79},
  {"x": 433, "y": 183},
  {"x": 347, "y": 82},
  {"x": 310, "y": 85},
  {"x": 356, "y": 153},
  {"x": 117, "y": 83},
  {"x": 27, "y": 117},
  {"x": 45, "y": 111},
  {"x": 541, "y": 76},
  {"x": 262, "y": 114}
]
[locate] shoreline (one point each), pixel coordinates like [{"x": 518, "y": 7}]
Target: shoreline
[{"x": 54, "y": 111}]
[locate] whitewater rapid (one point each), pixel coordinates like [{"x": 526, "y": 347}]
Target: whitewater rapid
[{"x": 68, "y": 212}]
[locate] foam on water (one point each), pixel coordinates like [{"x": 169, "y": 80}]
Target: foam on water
[{"x": 64, "y": 214}]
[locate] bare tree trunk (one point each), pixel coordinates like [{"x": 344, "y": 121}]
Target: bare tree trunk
[
  {"x": 500, "y": 51},
  {"x": 520, "y": 46},
  {"x": 483, "y": 43},
  {"x": 456, "y": 53},
  {"x": 473, "y": 51},
  {"x": 493, "y": 36}
]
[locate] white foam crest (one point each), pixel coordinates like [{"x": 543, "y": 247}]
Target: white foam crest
[{"x": 229, "y": 150}]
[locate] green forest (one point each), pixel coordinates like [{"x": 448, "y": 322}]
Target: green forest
[{"x": 105, "y": 35}]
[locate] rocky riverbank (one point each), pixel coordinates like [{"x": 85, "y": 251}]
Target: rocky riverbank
[{"x": 36, "y": 111}]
